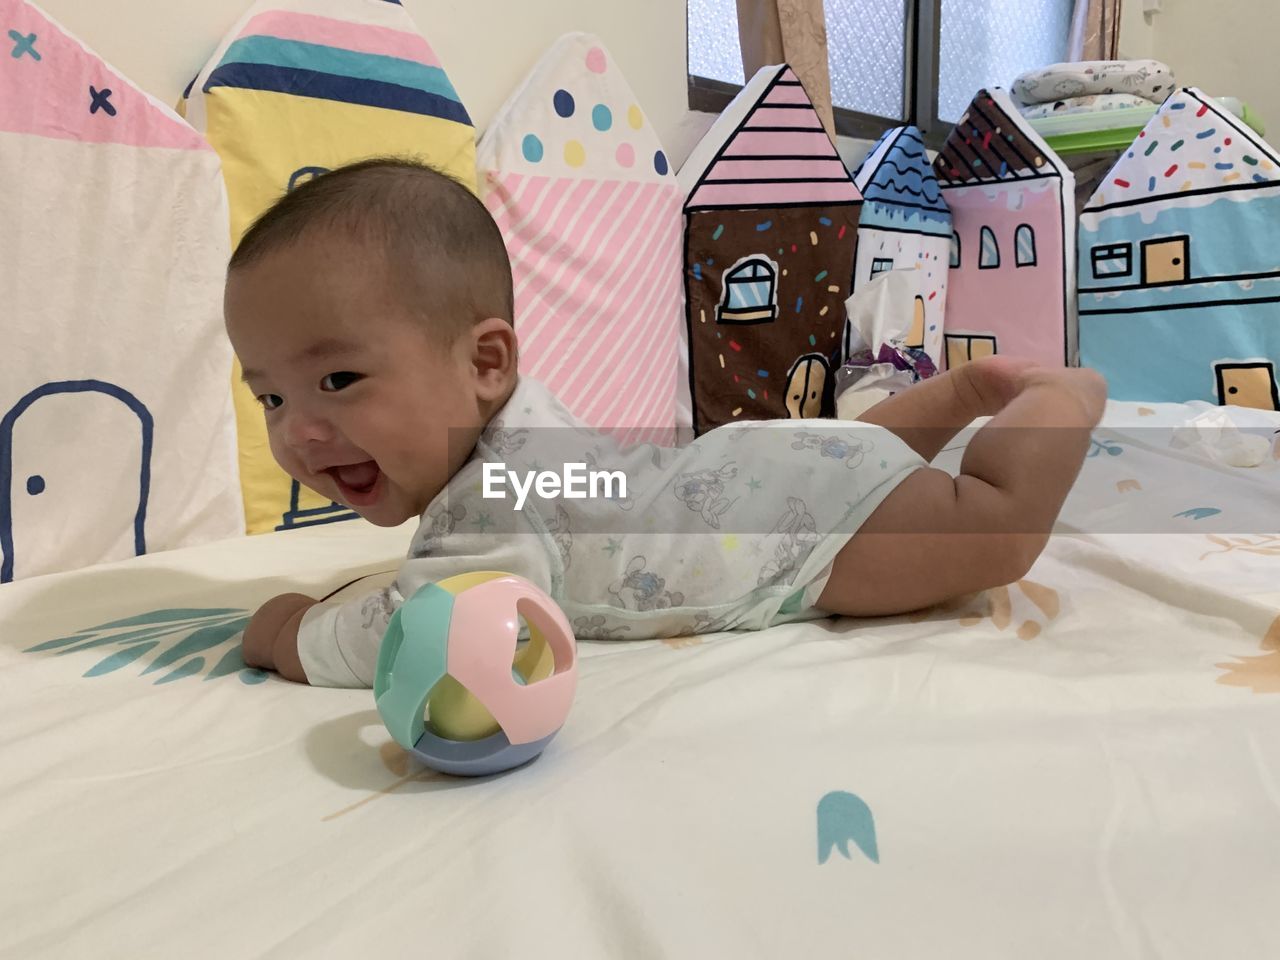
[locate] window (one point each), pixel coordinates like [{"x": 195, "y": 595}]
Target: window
[
  {"x": 989, "y": 259},
  {"x": 990, "y": 42},
  {"x": 1114, "y": 260},
  {"x": 750, "y": 292},
  {"x": 894, "y": 61},
  {"x": 1024, "y": 246},
  {"x": 962, "y": 347},
  {"x": 880, "y": 264},
  {"x": 955, "y": 250}
]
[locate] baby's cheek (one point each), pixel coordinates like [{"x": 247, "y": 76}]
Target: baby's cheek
[{"x": 280, "y": 452}]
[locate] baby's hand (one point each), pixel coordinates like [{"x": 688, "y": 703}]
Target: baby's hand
[{"x": 271, "y": 639}]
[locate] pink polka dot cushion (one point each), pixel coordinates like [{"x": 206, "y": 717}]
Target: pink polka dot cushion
[{"x": 584, "y": 195}]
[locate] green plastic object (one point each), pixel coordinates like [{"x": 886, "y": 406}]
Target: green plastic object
[{"x": 1110, "y": 130}]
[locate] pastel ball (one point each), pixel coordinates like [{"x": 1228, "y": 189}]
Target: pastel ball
[
  {"x": 635, "y": 117},
  {"x": 626, "y": 155},
  {"x": 574, "y": 154},
  {"x": 595, "y": 60},
  {"x": 563, "y": 102},
  {"x": 601, "y": 117},
  {"x": 660, "y": 163},
  {"x": 531, "y": 147}
]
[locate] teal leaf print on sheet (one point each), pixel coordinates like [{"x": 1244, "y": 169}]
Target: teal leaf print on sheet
[
  {"x": 167, "y": 616},
  {"x": 182, "y": 642},
  {"x": 121, "y": 659},
  {"x": 197, "y": 642},
  {"x": 1199, "y": 513},
  {"x": 843, "y": 817}
]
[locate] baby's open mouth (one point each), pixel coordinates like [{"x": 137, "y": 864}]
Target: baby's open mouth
[{"x": 358, "y": 482}]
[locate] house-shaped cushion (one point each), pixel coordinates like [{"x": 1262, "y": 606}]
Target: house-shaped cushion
[
  {"x": 116, "y": 430},
  {"x": 905, "y": 225},
  {"x": 1012, "y": 282},
  {"x": 1179, "y": 262},
  {"x": 771, "y": 227},
  {"x": 296, "y": 88},
  {"x": 577, "y": 181}
]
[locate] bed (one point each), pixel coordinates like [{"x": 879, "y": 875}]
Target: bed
[{"x": 1083, "y": 764}]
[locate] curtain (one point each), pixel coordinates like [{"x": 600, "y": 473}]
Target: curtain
[
  {"x": 1095, "y": 30},
  {"x": 793, "y": 32}
]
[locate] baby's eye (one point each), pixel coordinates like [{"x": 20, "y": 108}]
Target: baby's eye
[
  {"x": 338, "y": 381},
  {"x": 270, "y": 400}
]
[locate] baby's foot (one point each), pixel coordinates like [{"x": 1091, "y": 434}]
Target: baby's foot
[
  {"x": 987, "y": 385},
  {"x": 1086, "y": 386}
]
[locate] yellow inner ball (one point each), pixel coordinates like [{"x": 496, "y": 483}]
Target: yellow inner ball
[{"x": 452, "y": 712}]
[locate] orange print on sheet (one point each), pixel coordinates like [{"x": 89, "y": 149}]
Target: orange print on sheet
[
  {"x": 1267, "y": 545},
  {"x": 679, "y": 643},
  {"x": 999, "y": 605},
  {"x": 1259, "y": 674}
]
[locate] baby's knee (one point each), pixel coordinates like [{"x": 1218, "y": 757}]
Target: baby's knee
[{"x": 1009, "y": 557}]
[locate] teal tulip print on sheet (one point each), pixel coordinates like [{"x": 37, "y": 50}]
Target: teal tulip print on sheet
[
  {"x": 843, "y": 817},
  {"x": 170, "y": 644}
]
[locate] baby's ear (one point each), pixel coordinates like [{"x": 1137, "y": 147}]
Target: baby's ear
[{"x": 493, "y": 358}]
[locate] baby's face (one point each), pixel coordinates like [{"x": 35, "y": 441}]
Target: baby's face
[{"x": 360, "y": 404}]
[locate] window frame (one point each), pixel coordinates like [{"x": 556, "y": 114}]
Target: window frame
[
  {"x": 735, "y": 316},
  {"x": 1017, "y": 246},
  {"x": 922, "y": 32},
  {"x": 1111, "y": 251},
  {"x": 985, "y": 232}
]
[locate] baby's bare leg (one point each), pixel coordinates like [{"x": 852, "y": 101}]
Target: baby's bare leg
[
  {"x": 937, "y": 537},
  {"x": 927, "y": 416}
]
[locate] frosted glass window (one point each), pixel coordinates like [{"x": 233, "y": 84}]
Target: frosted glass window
[
  {"x": 865, "y": 45},
  {"x": 714, "y": 52},
  {"x": 987, "y": 43},
  {"x": 865, "y": 50}
]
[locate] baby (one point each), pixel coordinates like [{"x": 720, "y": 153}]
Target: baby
[{"x": 372, "y": 312}]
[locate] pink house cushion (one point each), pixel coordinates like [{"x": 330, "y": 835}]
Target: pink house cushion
[{"x": 1013, "y": 259}]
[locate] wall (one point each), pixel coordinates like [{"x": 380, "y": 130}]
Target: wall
[
  {"x": 1227, "y": 48},
  {"x": 487, "y": 46}
]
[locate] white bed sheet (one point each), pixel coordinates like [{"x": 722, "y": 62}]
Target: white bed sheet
[{"x": 1085, "y": 764}]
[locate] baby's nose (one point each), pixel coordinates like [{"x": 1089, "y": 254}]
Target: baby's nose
[{"x": 302, "y": 430}]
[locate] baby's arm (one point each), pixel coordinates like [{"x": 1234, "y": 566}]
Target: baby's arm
[
  {"x": 937, "y": 537},
  {"x": 271, "y": 639}
]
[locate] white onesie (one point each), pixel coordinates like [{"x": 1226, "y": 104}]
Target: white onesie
[{"x": 735, "y": 531}]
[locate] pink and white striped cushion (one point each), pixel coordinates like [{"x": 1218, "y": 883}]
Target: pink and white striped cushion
[{"x": 580, "y": 187}]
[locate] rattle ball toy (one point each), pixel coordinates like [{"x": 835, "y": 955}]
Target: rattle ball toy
[{"x": 451, "y": 653}]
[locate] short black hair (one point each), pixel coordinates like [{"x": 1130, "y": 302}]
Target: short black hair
[{"x": 437, "y": 236}]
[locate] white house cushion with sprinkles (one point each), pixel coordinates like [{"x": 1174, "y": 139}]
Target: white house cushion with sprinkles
[
  {"x": 1179, "y": 291},
  {"x": 580, "y": 186},
  {"x": 905, "y": 225},
  {"x": 1188, "y": 145},
  {"x": 117, "y": 435}
]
